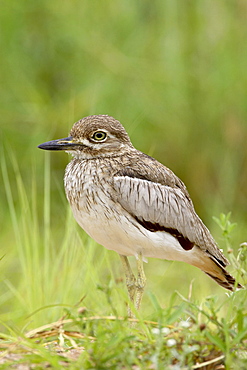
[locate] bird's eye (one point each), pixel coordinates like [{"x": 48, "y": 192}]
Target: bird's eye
[{"x": 99, "y": 136}]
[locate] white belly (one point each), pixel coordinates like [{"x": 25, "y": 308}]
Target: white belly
[{"x": 124, "y": 237}]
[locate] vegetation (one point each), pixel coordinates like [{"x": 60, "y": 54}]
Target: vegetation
[{"x": 174, "y": 73}]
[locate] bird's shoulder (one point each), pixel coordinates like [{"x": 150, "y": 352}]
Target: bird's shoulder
[{"x": 141, "y": 166}]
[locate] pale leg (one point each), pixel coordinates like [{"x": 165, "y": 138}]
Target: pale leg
[
  {"x": 130, "y": 282},
  {"x": 140, "y": 281}
]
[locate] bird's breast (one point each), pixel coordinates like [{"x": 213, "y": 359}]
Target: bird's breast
[
  {"x": 89, "y": 193},
  {"x": 85, "y": 185}
]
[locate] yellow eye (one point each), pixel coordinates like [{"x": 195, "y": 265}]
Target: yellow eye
[{"x": 99, "y": 136}]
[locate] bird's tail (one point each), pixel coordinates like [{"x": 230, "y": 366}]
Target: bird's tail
[{"x": 218, "y": 273}]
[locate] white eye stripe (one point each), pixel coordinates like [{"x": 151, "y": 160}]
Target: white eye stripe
[
  {"x": 85, "y": 142},
  {"x": 93, "y": 144}
]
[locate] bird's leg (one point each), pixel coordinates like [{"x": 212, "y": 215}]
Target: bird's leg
[
  {"x": 130, "y": 282},
  {"x": 140, "y": 281}
]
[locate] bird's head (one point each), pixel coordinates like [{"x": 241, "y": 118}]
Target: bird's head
[{"x": 93, "y": 136}]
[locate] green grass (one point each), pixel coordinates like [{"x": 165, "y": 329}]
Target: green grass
[{"x": 174, "y": 73}]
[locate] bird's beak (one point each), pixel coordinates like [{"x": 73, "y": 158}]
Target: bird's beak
[{"x": 60, "y": 144}]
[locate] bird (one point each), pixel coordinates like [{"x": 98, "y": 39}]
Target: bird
[{"x": 129, "y": 202}]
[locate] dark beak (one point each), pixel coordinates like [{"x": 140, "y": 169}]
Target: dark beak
[{"x": 60, "y": 144}]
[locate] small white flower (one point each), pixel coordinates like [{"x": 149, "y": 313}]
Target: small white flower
[
  {"x": 184, "y": 324},
  {"x": 156, "y": 331},
  {"x": 171, "y": 342},
  {"x": 165, "y": 331},
  {"x": 243, "y": 244}
]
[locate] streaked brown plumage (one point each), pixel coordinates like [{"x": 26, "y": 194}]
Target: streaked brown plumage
[{"x": 131, "y": 203}]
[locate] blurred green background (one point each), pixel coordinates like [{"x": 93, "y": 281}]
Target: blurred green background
[{"x": 173, "y": 72}]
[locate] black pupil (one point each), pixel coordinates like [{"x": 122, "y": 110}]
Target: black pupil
[{"x": 99, "y": 135}]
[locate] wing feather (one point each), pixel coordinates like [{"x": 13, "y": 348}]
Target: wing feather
[{"x": 164, "y": 206}]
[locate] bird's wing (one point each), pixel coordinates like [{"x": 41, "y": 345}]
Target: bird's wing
[{"x": 160, "y": 207}]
